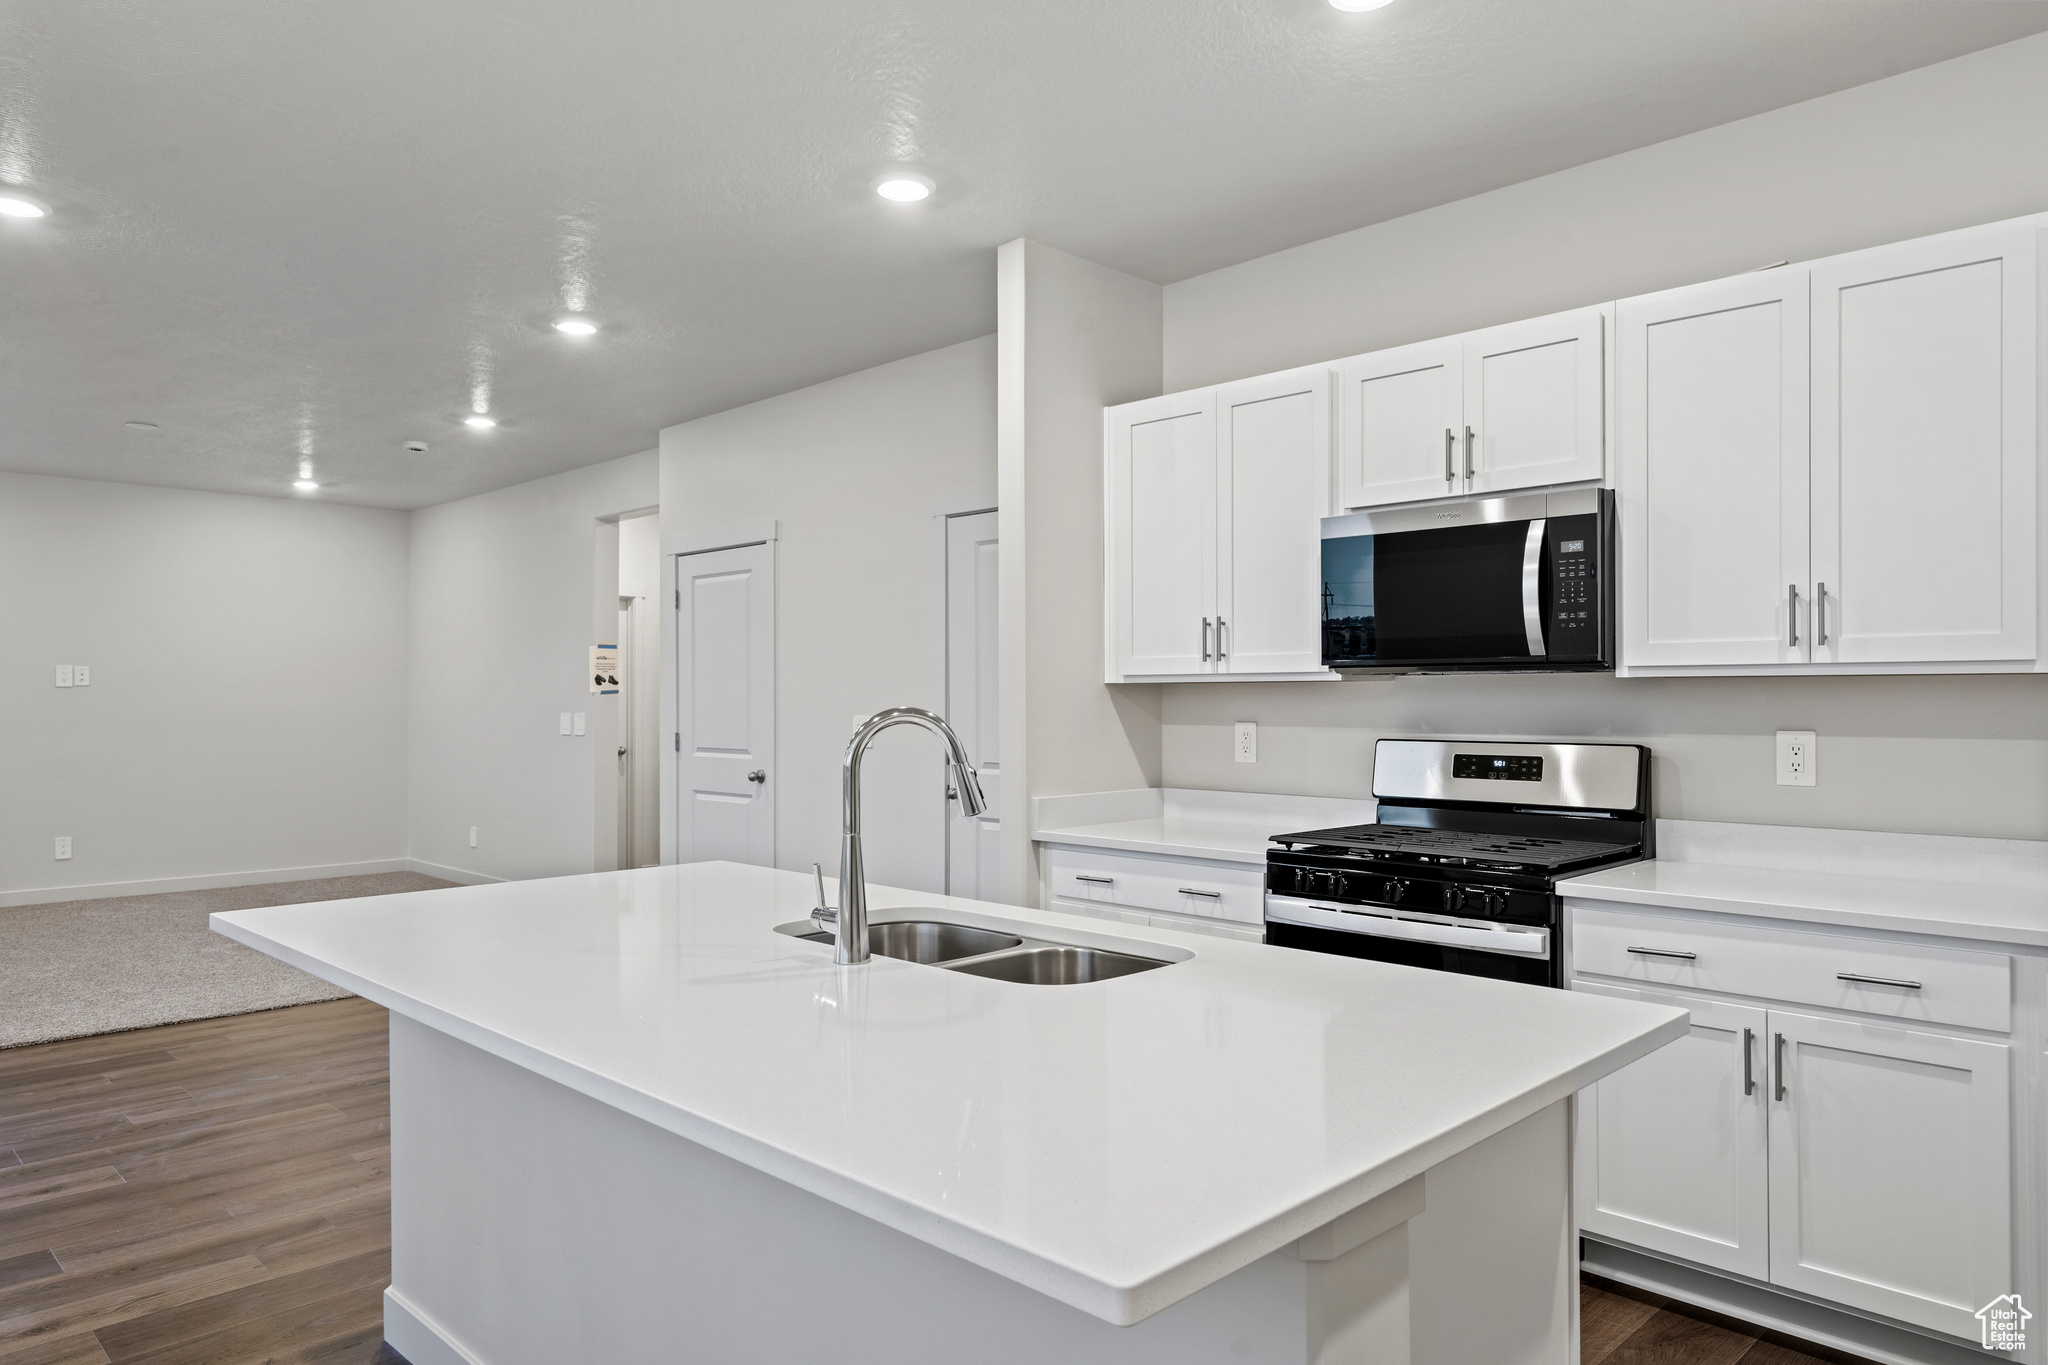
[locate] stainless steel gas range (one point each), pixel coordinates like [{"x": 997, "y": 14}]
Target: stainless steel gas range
[{"x": 1461, "y": 870}]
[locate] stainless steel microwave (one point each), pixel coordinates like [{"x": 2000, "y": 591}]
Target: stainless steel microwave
[{"x": 1488, "y": 585}]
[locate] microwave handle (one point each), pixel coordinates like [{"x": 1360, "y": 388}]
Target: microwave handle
[{"x": 1532, "y": 588}]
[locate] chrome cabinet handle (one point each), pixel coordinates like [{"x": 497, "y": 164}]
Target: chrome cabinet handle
[
  {"x": 757, "y": 776},
  {"x": 1877, "y": 980},
  {"x": 1084, "y": 877},
  {"x": 1665, "y": 952},
  {"x": 1205, "y": 639},
  {"x": 1791, "y": 616},
  {"x": 1468, "y": 457},
  {"x": 1212, "y": 895},
  {"x": 1780, "y": 1056},
  {"x": 1748, "y": 1071},
  {"x": 1221, "y": 653},
  {"x": 1820, "y": 607},
  {"x": 1450, "y": 456}
]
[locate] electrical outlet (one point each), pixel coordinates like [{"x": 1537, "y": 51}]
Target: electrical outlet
[
  {"x": 1246, "y": 747},
  {"x": 580, "y": 722},
  {"x": 567, "y": 723},
  {"x": 472, "y": 836},
  {"x": 81, "y": 675},
  {"x": 63, "y": 847},
  {"x": 63, "y": 675},
  {"x": 1798, "y": 758}
]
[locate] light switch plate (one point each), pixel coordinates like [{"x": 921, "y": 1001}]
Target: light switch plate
[
  {"x": 1245, "y": 748},
  {"x": 81, "y": 675},
  {"x": 63, "y": 675},
  {"x": 567, "y": 723},
  {"x": 580, "y": 722},
  {"x": 472, "y": 836},
  {"x": 63, "y": 847},
  {"x": 1798, "y": 758}
]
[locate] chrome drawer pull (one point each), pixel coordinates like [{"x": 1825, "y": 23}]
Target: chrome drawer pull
[
  {"x": 1105, "y": 881},
  {"x": 1877, "y": 981},
  {"x": 1748, "y": 1071},
  {"x": 1779, "y": 1047},
  {"x": 1665, "y": 952},
  {"x": 1212, "y": 895}
]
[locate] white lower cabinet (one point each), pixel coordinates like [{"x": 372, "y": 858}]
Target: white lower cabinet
[
  {"x": 1849, "y": 1159},
  {"x": 1193, "y": 894}
]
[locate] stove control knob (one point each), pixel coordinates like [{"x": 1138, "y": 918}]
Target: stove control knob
[
  {"x": 1484, "y": 900},
  {"x": 1394, "y": 890},
  {"x": 1321, "y": 883}
]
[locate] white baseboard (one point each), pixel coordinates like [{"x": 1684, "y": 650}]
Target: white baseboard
[
  {"x": 1767, "y": 1307},
  {"x": 450, "y": 874},
  {"x": 419, "y": 1338},
  {"x": 44, "y": 895}
]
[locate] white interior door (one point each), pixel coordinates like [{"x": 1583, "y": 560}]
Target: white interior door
[
  {"x": 1535, "y": 403},
  {"x": 1891, "y": 1184},
  {"x": 973, "y": 681},
  {"x": 1400, "y": 414},
  {"x": 1673, "y": 1150},
  {"x": 1272, "y": 491},
  {"x": 1713, "y": 473},
  {"x": 725, "y": 705},
  {"x": 1161, "y": 520},
  {"x": 1924, "y": 449}
]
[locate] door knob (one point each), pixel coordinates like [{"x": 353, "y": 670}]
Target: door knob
[
  {"x": 622, "y": 751},
  {"x": 755, "y": 776}
]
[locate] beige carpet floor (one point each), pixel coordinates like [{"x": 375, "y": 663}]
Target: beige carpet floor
[{"x": 73, "y": 968}]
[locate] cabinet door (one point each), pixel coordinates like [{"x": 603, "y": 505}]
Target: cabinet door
[
  {"x": 1535, "y": 397},
  {"x": 1272, "y": 491},
  {"x": 1400, "y": 414},
  {"x": 1672, "y": 1153},
  {"x": 1924, "y": 456},
  {"x": 1891, "y": 1188},
  {"x": 1712, "y": 472},
  {"x": 1160, "y": 505}
]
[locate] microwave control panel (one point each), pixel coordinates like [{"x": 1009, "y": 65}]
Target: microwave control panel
[{"x": 1576, "y": 564}]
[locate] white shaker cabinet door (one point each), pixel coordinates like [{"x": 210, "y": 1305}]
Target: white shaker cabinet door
[
  {"x": 1891, "y": 1187},
  {"x": 1160, "y": 505},
  {"x": 1712, "y": 476},
  {"x": 1534, "y": 404},
  {"x": 1272, "y": 491},
  {"x": 1401, "y": 415},
  {"x": 1924, "y": 454},
  {"x": 1672, "y": 1151}
]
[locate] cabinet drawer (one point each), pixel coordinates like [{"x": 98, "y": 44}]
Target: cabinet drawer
[
  {"x": 1228, "y": 891},
  {"x": 1902, "y": 981},
  {"x": 1186, "y": 924}
]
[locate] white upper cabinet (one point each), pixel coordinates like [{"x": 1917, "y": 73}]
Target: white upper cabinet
[
  {"x": 1520, "y": 406},
  {"x": 1214, "y": 501},
  {"x": 1712, "y": 472},
  {"x": 1272, "y": 490},
  {"x": 1535, "y": 403},
  {"x": 1403, "y": 414},
  {"x": 1924, "y": 450},
  {"x": 1160, "y": 503}
]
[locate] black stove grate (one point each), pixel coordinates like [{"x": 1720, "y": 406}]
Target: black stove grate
[{"x": 1451, "y": 843}]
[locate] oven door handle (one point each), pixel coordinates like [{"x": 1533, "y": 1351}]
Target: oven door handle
[
  {"x": 1517, "y": 942},
  {"x": 1532, "y": 588}
]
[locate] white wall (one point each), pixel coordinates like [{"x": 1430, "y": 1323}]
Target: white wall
[
  {"x": 506, "y": 595},
  {"x": 1945, "y": 146},
  {"x": 854, "y": 470},
  {"x": 246, "y": 719},
  {"x": 1073, "y": 337}
]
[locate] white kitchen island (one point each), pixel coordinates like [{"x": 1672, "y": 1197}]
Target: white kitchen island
[{"x": 631, "y": 1121}]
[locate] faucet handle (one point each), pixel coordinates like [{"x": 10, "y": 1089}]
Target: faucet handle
[{"x": 823, "y": 915}]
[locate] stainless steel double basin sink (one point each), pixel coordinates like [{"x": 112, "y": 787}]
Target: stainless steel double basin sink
[{"x": 991, "y": 953}]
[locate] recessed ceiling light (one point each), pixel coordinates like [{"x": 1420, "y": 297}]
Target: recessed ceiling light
[
  {"x": 905, "y": 187},
  {"x": 305, "y": 485},
  {"x": 140, "y": 426},
  {"x": 576, "y": 327},
  {"x": 1357, "y": 6},
  {"x": 15, "y": 204},
  {"x": 479, "y": 421}
]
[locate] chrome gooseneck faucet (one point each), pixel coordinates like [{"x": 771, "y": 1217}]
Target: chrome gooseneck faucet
[{"x": 850, "y": 921}]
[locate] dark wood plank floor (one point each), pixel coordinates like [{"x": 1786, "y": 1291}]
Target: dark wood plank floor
[
  {"x": 1619, "y": 1325},
  {"x": 217, "y": 1193},
  {"x": 211, "y": 1192}
]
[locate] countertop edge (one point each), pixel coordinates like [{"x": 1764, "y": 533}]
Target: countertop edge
[
  {"x": 1122, "y": 1305},
  {"x": 1805, "y": 912},
  {"x": 1075, "y": 839}
]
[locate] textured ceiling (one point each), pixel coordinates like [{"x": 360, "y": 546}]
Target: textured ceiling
[{"x": 330, "y": 226}]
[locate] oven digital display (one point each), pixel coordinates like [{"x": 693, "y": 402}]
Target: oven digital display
[
  {"x": 1571, "y": 547},
  {"x": 1497, "y": 767}
]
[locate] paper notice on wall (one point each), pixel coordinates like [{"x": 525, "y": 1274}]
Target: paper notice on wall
[{"x": 604, "y": 668}]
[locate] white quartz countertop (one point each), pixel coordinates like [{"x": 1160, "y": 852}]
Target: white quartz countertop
[
  {"x": 1173, "y": 837},
  {"x": 1117, "y": 1145},
  {"x": 2004, "y": 914},
  {"x": 1230, "y": 827}
]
